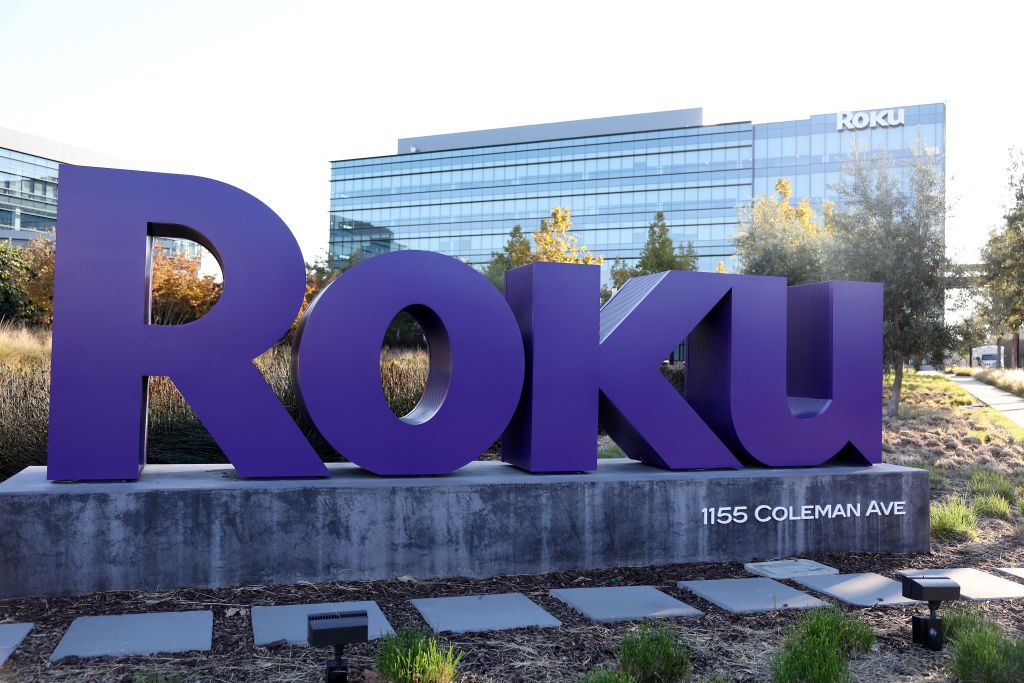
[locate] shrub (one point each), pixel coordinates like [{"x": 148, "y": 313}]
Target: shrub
[
  {"x": 953, "y": 519},
  {"x": 413, "y": 656},
  {"x": 981, "y": 651},
  {"x": 937, "y": 478},
  {"x": 612, "y": 451},
  {"x": 403, "y": 376},
  {"x": 819, "y": 646},
  {"x": 990, "y": 482},
  {"x": 175, "y": 433},
  {"x": 991, "y": 505},
  {"x": 676, "y": 375},
  {"x": 960, "y": 619},
  {"x": 809, "y": 659},
  {"x": 24, "y": 405},
  {"x": 1007, "y": 380},
  {"x": 23, "y": 345},
  {"x": 606, "y": 676},
  {"x": 850, "y": 636},
  {"x": 651, "y": 654}
]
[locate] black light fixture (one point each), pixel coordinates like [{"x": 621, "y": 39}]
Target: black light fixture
[
  {"x": 927, "y": 631},
  {"x": 337, "y": 629}
]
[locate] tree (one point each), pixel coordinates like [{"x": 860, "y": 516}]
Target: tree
[
  {"x": 687, "y": 257},
  {"x": 13, "y": 302},
  {"x": 319, "y": 274},
  {"x": 658, "y": 255},
  {"x": 1002, "y": 260},
  {"x": 777, "y": 238},
  {"x": 516, "y": 253},
  {"x": 179, "y": 293},
  {"x": 886, "y": 234},
  {"x": 971, "y": 332},
  {"x": 40, "y": 256},
  {"x": 556, "y": 243}
]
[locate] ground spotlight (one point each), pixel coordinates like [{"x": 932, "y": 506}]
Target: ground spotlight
[
  {"x": 927, "y": 631},
  {"x": 337, "y": 629}
]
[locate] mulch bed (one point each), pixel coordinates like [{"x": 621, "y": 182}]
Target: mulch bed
[
  {"x": 739, "y": 646},
  {"x": 934, "y": 433}
]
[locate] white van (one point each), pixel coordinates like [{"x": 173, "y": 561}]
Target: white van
[{"x": 986, "y": 356}]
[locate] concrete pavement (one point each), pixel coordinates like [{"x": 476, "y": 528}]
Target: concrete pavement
[{"x": 1010, "y": 405}]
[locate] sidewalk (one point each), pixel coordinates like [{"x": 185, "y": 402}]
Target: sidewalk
[{"x": 1008, "y": 404}]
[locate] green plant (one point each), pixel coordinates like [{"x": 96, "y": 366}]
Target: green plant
[
  {"x": 981, "y": 651},
  {"x": 953, "y": 519},
  {"x": 960, "y": 619},
  {"x": 937, "y": 478},
  {"x": 612, "y": 451},
  {"x": 807, "y": 660},
  {"x": 413, "y": 656},
  {"x": 650, "y": 654},
  {"x": 676, "y": 375},
  {"x": 606, "y": 676},
  {"x": 990, "y": 482},
  {"x": 819, "y": 646},
  {"x": 991, "y": 505}
]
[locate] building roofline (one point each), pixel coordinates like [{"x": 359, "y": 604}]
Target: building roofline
[
  {"x": 54, "y": 151},
  {"x": 606, "y": 125}
]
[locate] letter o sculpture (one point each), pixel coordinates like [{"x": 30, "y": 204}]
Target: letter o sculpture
[{"x": 476, "y": 364}]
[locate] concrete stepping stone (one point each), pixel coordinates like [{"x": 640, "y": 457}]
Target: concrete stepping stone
[
  {"x": 11, "y": 636},
  {"x": 788, "y": 569},
  {"x": 288, "y": 622},
  {"x": 622, "y": 603},
  {"x": 863, "y": 590},
  {"x": 470, "y": 613},
  {"x": 1013, "y": 571},
  {"x": 136, "y": 634},
  {"x": 747, "y": 596},
  {"x": 974, "y": 584}
]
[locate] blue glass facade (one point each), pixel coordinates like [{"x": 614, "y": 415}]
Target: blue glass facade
[
  {"x": 464, "y": 200},
  {"x": 28, "y": 192},
  {"x": 812, "y": 152},
  {"x": 28, "y": 201}
]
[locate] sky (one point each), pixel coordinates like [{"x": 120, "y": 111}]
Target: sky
[{"x": 263, "y": 95}]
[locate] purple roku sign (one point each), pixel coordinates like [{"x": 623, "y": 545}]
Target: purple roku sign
[{"x": 777, "y": 376}]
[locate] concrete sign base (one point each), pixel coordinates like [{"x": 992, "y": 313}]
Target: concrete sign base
[{"x": 201, "y": 525}]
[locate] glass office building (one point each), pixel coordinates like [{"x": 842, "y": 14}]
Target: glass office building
[
  {"x": 29, "y": 170},
  {"x": 461, "y": 194},
  {"x": 28, "y": 195}
]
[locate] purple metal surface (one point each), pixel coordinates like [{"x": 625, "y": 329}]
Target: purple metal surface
[
  {"x": 645, "y": 320},
  {"x": 779, "y": 376},
  {"x": 476, "y": 363},
  {"x": 104, "y": 347},
  {"x": 556, "y": 307},
  {"x": 790, "y": 402}
]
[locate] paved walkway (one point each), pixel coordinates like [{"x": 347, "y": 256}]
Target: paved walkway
[{"x": 1010, "y": 405}]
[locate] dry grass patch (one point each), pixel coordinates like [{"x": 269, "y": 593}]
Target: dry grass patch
[{"x": 1007, "y": 380}]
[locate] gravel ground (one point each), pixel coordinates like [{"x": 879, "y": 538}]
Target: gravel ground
[{"x": 940, "y": 430}]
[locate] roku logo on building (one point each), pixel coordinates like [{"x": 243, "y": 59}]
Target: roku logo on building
[
  {"x": 882, "y": 118},
  {"x": 776, "y": 376}
]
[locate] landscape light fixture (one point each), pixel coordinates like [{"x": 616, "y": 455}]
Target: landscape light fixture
[
  {"x": 927, "y": 631},
  {"x": 337, "y": 629}
]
